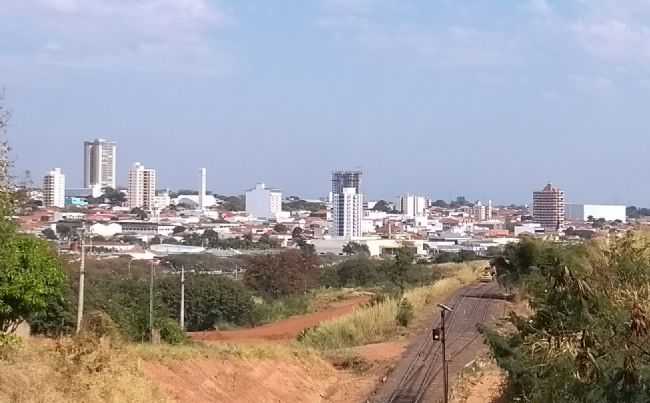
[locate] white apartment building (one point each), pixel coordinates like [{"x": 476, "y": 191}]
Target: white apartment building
[
  {"x": 347, "y": 214},
  {"x": 162, "y": 200},
  {"x": 54, "y": 189},
  {"x": 412, "y": 205},
  {"x": 346, "y": 205},
  {"x": 263, "y": 202},
  {"x": 582, "y": 212},
  {"x": 100, "y": 164},
  {"x": 142, "y": 187},
  {"x": 549, "y": 208}
]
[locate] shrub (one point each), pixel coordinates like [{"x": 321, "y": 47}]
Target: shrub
[
  {"x": 271, "y": 311},
  {"x": 9, "y": 345},
  {"x": 170, "y": 331},
  {"x": 404, "y": 313}
]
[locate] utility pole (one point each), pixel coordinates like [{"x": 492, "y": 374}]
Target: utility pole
[
  {"x": 439, "y": 334},
  {"x": 151, "y": 299},
  {"x": 183, "y": 297},
  {"x": 82, "y": 279}
]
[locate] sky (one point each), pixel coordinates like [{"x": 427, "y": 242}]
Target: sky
[{"x": 487, "y": 99}]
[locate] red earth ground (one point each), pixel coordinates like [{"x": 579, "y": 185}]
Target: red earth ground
[{"x": 284, "y": 330}]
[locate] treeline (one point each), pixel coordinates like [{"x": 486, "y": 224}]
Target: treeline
[
  {"x": 587, "y": 337},
  {"x": 273, "y": 287}
]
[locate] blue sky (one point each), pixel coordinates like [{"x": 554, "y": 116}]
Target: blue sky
[{"x": 490, "y": 99}]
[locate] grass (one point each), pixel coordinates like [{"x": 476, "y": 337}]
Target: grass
[
  {"x": 222, "y": 351},
  {"x": 376, "y": 323},
  {"x": 44, "y": 372}
]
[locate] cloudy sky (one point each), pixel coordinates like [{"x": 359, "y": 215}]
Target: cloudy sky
[{"x": 490, "y": 99}]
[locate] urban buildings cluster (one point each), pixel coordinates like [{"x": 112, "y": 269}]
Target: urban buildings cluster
[{"x": 143, "y": 211}]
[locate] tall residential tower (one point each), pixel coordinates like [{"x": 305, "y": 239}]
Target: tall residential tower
[
  {"x": 347, "y": 205},
  {"x": 549, "y": 208},
  {"x": 54, "y": 189},
  {"x": 142, "y": 187},
  {"x": 100, "y": 163}
]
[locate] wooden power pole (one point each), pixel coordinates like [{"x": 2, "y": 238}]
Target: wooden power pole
[
  {"x": 183, "y": 297},
  {"x": 151, "y": 300},
  {"x": 82, "y": 279}
]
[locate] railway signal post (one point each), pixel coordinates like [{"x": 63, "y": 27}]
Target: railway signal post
[{"x": 439, "y": 334}]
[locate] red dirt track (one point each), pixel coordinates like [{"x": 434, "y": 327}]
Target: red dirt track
[{"x": 284, "y": 330}]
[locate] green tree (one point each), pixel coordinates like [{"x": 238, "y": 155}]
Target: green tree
[
  {"x": 139, "y": 213},
  {"x": 586, "y": 339},
  {"x": 398, "y": 270},
  {"x": 280, "y": 228},
  {"x": 211, "y": 301},
  {"x": 179, "y": 229},
  {"x": 30, "y": 277},
  {"x": 113, "y": 196},
  {"x": 65, "y": 231},
  {"x": 354, "y": 248},
  {"x": 287, "y": 273},
  {"x": 49, "y": 233}
]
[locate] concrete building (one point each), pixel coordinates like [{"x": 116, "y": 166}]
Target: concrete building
[
  {"x": 529, "y": 229},
  {"x": 142, "y": 187},
  {"x": 489, "y": 210},
  {"x": 203, "y": 191},
  {"x": 582, "y": 212},
  {"x": 100, "y": 163},
  {"x": 479, "y": 211},
  {"x": 54, "y": 189},
  {"x": 263, "y": 202},
  {"x": 347, "y": 205},
  {"x": 412, "y": 205},
  {"x": 162, "y": 200},
  {"x": 549, "y": 208}
]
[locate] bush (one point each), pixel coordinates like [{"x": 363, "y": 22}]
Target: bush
[
  {"x": 170, "y": 331},
  {"x": 9, "y": 345},
  {"x": 404, "y": 313},
  {"x": 98, "y": 324},
  {"x": 209, "y": 300},
  {"x": 271, "y": 311}
]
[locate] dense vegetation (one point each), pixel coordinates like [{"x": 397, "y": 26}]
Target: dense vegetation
[
  {"x": 30, "y": 275},
  {"x": 587, "y": 338}
]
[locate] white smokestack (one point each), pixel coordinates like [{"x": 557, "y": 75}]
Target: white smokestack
[{"x": 202, "y": 194}]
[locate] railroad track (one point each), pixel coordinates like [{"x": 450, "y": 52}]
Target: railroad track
[{"x": 412, "y": 381}]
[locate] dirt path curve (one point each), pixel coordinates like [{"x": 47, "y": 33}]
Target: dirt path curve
[
  {"x": 418, "y": 376},
  {"x": 284, "y": 330}
]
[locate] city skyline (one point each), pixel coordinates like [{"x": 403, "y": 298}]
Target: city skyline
[{"x": 488, "y": 100}]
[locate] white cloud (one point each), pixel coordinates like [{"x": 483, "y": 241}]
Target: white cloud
[
  {"x": 381, "y": 26},
  {"x": 147, "y": 34}
]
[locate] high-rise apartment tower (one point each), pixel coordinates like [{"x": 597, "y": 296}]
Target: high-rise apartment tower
[
  {"x": 54, "y": 189},
  {"x": 549, "y": 208},
  {"x": 347, "y": 205},
  {"x": 100, "y": 164},
  {"x": 142, "y": 187}
]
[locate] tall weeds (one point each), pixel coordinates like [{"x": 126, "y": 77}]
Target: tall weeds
[{"x": 377, "y": 323}]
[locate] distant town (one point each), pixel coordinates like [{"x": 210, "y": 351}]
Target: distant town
[{"x": 144, "y": 222}]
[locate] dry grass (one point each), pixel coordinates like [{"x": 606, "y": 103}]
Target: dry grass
[
  {"x": 222, "y": 351},
  {"x": 376, "y": 323},
  {"x": 43, "y": 372}
]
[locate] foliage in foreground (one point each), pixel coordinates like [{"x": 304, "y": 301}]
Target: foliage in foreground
[{"x": 587, "y": 338}]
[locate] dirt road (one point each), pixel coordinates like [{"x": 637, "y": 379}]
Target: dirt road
[
  {"x": 284, "y": 330},
  {"x": 418, "y": 376}
]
